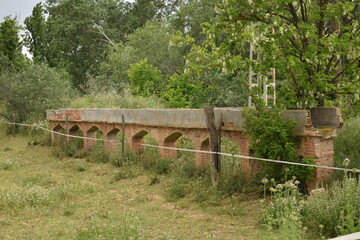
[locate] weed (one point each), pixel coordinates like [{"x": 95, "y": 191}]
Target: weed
[
  {"x": 162, "y": 167},
  {"x": 80, "y": 168},
  {"x": 283, "y": 212},
  {"x": 9, "y": 164},
  {"x": 98, "y": 229},
  {"x": 154, "y": 180},
  {"x": 176, "y": 190},
  {"x": 336, "y": 209},
  {"x": 124, "y": 174}
]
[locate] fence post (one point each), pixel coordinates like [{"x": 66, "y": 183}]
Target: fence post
[
  {"x": 122, "y": 141},
  {"x": 215, "y": 143}
]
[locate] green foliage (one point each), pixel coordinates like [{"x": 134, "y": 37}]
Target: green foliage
[
  {"x": 10, "y": 45},
  {"x": 28, "y": 93},
  {"x": 162, "y": 166},
  {"x": 144, "y": 79},
  {"x": 35, "y": 35},
  {"x": 113, "y": 100},
  {"x": 335, "y": 211},
  {"x": 316, "y": 56},
  {"x": 124, "y": 173},
  {"x": 176, "y": 190},
  {"x": 180, "y": 93},
  {"x": 347, "y": 145},
  {"x": 100, "y": 228},
  {"x": 36, "y": 194},
  {"x": 9, "y": 164},
  {"x": 282, "y": 214},
  {"x": 273, "y": 137}
]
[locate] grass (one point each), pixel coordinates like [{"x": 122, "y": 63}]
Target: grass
[{"x": 75, "y": 199}]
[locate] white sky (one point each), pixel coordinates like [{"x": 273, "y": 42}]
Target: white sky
[{"x": 19, "y": 8}]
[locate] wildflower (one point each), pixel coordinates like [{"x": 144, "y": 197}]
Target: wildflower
[
  {"x": 287, "y": 169},
  {"x": 346, "y": 162},
  {"x": 279, "y": 186},
  {"x": 264, "y": 181},
  {"x": 302, "y": 201},
  {"x": 271, "y": 203},
  {"x": 297, "y": 182},
  {"x": 126, "y": 199},
  {"x": 141, "y": 230},
  {"x": 272, "y": 189}
]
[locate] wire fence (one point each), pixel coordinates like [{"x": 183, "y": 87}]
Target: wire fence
[{"x": 354, "y": 170}]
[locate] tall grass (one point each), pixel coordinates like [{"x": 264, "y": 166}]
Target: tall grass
[{"x": 114, "y": 100}]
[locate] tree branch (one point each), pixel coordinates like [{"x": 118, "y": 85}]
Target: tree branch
[{"x": 346, "y": 68}]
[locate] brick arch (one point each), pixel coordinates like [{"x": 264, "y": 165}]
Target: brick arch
[
  {"x": 138, "y": 138},
  {"x": 112, "y": 136},
  {"x": 170, "y": 141},
  {"x": 91, "y": 133},
  {"x": 58, "y": 140},
  {"x": 75, "y": 130}
]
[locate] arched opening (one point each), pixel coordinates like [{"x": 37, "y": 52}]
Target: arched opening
[
  {"x": 230, "y": 164},
  {"x": 58, "y": 139},
  {"x": 75, "y": 144},
  {"x": 96, "y": 145},
  {"x": 170, "y": 141},
  {"x": 202, "y": 160},
  {"x": 146, "y": 155},
  {"x": 185, "y": 161},
  {"x": 93, "y": 135},
  {"x": 231, "y": 179},
  {"x": 113, "y": 140}
]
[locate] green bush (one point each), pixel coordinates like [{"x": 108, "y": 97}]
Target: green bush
[
  {"x": 347, "y": 145},
  {"x": 335, "y": 211},
  {"x": 28, "y": 93},
  {"x": 272, "y": 137}
]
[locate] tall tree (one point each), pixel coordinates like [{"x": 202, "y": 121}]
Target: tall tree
[
  {"x": 35, "y": 34},
  {"x": 313, "y": 45},
  {"x": 10, "y": 44}
]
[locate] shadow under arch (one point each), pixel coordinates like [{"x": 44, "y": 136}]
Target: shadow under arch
[
  {"x": 59, "y": 140},
  {"x": 94, "y": 133}
]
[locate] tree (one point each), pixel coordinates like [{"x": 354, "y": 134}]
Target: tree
[
  {"x": 190, "y": 16},
  {"x": 144, "y": 79},
  {"x": 312, "y": 44},
  {"x": 10, "y": 45},
  {"x": 35, "y": 35},
  {"x": 152, "y": 42},
  {"x": 29, "y": 92}
]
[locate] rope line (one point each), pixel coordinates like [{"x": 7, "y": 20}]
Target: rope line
[{"x": 192, "y": 150}]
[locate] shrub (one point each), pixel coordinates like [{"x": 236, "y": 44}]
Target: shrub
[
  {"x": 347, "y": 145},
  {"x": 28, "y": 93},
  {"x": 273, "y": 137},
  {"x": 335, "y": 211}
]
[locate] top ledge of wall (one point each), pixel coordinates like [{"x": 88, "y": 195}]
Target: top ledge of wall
[{"x": 230, "y": 118}]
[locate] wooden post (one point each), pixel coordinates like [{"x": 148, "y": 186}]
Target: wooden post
[
  {"x": 215, "y": 143},
  {"x": 122, "y": 141},
  {"x": 66, "y": 132},
  {"x": 14, "y": 126}
]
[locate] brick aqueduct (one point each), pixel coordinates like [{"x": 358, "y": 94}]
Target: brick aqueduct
[{"x": 315, "y": 128}]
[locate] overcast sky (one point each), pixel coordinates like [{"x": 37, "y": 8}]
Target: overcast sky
[{"x": 19, "y": 8}]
